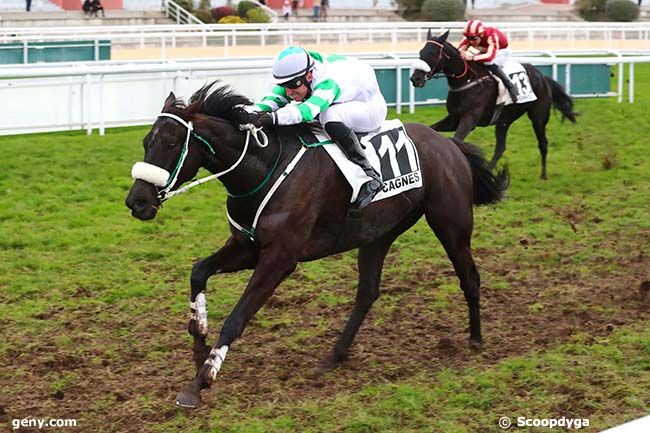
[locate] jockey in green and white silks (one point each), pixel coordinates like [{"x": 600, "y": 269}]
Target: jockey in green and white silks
[
  {"x": 341, "y": 93},
  {"x": 349, "y": 84}
]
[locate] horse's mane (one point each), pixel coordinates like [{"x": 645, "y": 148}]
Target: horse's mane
[{"x": 222, "y": 101}]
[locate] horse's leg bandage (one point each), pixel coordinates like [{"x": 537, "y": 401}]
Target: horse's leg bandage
[
  {"x": 214, "y": 361},
  {"x": 199, "y": 312}
]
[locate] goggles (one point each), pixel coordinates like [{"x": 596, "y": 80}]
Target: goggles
[{"x": 295, "y": 83}]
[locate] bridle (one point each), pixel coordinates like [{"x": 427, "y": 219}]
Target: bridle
[
  {"x": 441, "y": 53},
  {"x": 161, "y": 178}
]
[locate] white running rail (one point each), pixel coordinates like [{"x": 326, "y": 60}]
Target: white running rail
[
  {"x": 387, "y": 34},
  {"x": 55, "y": 97}
]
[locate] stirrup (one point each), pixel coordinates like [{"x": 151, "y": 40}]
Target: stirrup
[{"x": 367, "y": 193}]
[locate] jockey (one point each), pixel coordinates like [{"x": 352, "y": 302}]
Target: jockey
[
  {"x": 340, "y": 93},
  {"x": 493, "y": 50}
]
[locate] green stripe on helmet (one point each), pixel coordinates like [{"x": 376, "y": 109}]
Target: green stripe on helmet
[{"x": 290, "y": 50}]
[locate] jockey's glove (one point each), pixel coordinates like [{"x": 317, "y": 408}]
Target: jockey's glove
[{"x": 258, "y": 119}]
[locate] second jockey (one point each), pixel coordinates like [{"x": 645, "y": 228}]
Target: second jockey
[{"x": 493, "y": 51}]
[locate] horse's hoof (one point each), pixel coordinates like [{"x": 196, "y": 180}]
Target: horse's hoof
[
  {"x": 475, "y": 346},
  {"x": 329, "y": 363},
  {"x": 188, "y": 398}
]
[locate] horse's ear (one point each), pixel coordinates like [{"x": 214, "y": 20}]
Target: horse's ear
[
  {"x": 429, "y": 35},
  {"x": 170, "y": 100},
  {"x": 444, "y": 36}
]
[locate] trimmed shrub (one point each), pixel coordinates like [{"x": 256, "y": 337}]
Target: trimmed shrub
[
  {"x": 621, "y": 10},
  {"x": 244, "y": 6},
  {"x": 409, "y": 9},
  {"x": 222, "y": 11},
  {"x": 204, "y": 4},
  {"x": 591, "y": 10},
  {"x": 257, "y": 15},
  {"x": 231, "y": 19},
  {"x": 442, "y": 10},
  {"x": 204, "y": 15}
]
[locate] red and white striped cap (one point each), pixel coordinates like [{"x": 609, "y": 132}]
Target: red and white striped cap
[{"x": 473, "y": 28}]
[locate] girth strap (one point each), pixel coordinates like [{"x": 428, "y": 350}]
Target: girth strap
[{"x": 251, "y": 232}]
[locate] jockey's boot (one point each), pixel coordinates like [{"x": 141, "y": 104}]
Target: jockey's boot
[
  {"x": 512, "y": 89},
  {"x": 349, "y": 144}
]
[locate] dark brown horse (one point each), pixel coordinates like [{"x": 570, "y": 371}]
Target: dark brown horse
[
  {"x": 306, "y": 218},
  {"x": 473, "y": 92}
]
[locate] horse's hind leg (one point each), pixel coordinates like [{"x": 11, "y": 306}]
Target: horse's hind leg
[
  {"x": 370, "y": 260},
  {"x": 452, "y": 223},
  {"x": 232, "y": 257},
  {"x": 501, "y": 132},
  {"x": 539, "y": 118}
]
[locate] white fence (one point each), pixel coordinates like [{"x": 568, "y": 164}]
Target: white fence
[
  {"x": 388, "y": 34},
  {"x": 44, "y": 97}
]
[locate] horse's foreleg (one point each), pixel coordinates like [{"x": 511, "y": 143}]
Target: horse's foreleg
[
  {"x": 448, "y": 124},
  {"x": 370, "y": 260},
  {"x": 232, "y": 257},
  {"x": 270, "y": 270},
  {"x": 501, "y": 132}
]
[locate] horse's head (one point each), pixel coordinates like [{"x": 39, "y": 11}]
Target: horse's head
[
  {"x": 181, "y": 141},
  {"x": 432, "y": 59},
  {"x": 168, "y": 161}
]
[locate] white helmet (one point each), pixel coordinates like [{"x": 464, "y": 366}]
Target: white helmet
[{"x": 291, "y": 63}]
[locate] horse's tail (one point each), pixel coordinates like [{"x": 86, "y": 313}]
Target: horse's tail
[
  {"x": 561, "y": 100},
  {"x": 488, "y": 187}
]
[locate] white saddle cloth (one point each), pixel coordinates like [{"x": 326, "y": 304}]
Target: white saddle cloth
[
  {"x": 519, "y": 78},
  {"x": 390, "y": 151}
]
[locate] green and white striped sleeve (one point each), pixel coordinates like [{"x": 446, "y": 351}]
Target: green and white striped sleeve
[
  {"x": 272, "y": 102},
  {"x": 324, "y": 95}
]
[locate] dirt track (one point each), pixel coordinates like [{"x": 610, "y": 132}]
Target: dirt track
[{"x": 261, "y": 368}]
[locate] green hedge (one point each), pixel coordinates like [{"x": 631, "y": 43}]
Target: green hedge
[
  {"x": 442, "y": 10},
  {"x": 621, "y": 10}
]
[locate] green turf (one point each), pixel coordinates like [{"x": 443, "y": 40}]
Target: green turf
[{"x": 70, "y": 251}]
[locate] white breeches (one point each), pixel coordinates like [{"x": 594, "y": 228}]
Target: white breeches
[
  {"x": 502, "y": 56},
  {"x": 359, "y": 116}
]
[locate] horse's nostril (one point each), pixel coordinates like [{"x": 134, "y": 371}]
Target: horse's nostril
[{"x": 140, "y": 204}]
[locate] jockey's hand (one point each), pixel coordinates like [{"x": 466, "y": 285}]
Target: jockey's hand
[
  {"x": 468, "y": 56},
  {"x": 257, "y": 119}
]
